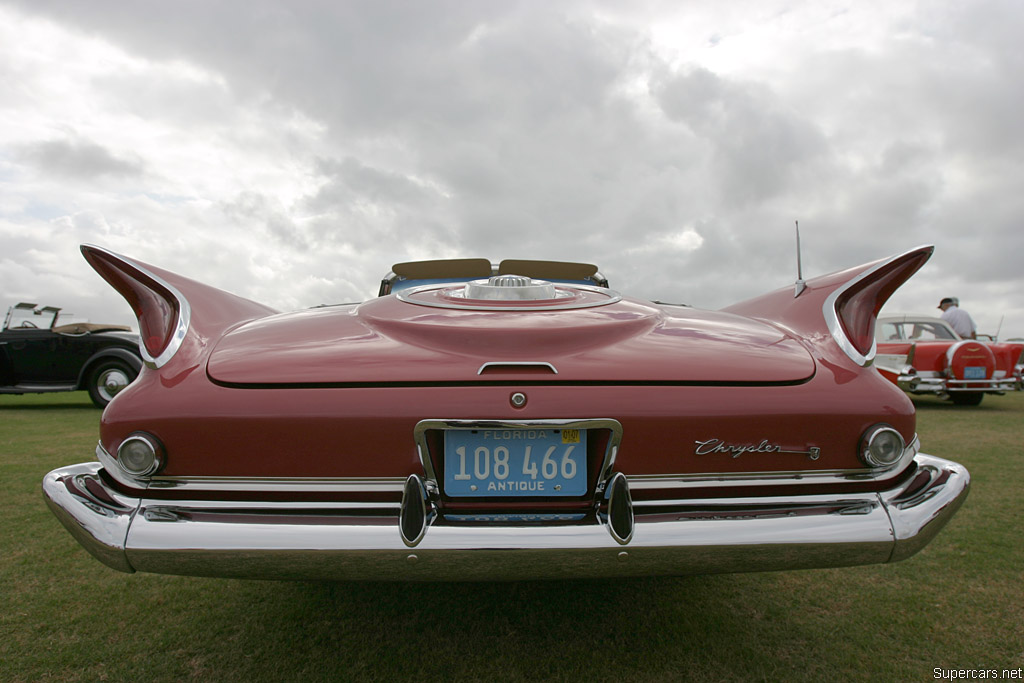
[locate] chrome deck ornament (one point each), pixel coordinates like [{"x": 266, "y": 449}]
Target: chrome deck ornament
[
  {"x": 509, "y": 293},
  {"x": 510, "y": 288}
]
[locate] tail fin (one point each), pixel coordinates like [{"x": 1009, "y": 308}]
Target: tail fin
[
  {"x": 170, "y": 308},
  {"x": 845, "y": 303}
]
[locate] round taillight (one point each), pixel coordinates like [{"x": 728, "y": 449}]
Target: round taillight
[
  {"x": 140, "y": 455},
  {"x": 881, "y": 446}
]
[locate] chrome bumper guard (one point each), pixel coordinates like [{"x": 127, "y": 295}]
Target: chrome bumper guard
[
  {"x": 347, "y": 541},
  {"x": 942, "y": 385}
]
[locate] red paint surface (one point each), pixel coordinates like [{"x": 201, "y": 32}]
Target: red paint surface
[
  {"x": 652, "y": 368},
  {"x": 387, "y": 340}
]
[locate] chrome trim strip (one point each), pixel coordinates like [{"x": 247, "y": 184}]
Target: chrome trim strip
[
  {"x": 517, "y": 363},
  {"x": 324, "y": 541},
  {"x": 828, "y": 309},
  {"x": 836, "y": 329},
  {"x": 181, "y": 324},
  {"x": 281, "y": 485},
  {"x": 263, "y": 506},
  {"x": 638, "y": 482},
  {"x": 395, "y": 485},
  {"x": 254, "y": 485},
  {"x": 420, "y": 436}
]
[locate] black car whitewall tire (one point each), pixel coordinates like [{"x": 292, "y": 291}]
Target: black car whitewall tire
[{"x": 107, "y": 379}]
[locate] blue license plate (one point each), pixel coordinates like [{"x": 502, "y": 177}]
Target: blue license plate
[
  {"x": 974, "y": 372},
  {"x": 515, "y": 462}
]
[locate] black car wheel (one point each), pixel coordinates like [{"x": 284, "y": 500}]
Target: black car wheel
[
  {"x": 968, "y": 398},
  {"x": 107, "y": 379}
]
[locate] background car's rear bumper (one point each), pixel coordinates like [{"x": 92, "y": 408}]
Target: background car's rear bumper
[
  {"x": 342, "y": 541},
  {"x": 924, "y": 384}
]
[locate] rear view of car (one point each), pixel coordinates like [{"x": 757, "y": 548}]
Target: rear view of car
[
  {"x": 505, "y": 425},
  {"x": 923, "y": 356}
]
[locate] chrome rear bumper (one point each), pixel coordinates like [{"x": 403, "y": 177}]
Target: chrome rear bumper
[
  {"x": 925, "y": 384},
  {"x": 340, "y": 541}
]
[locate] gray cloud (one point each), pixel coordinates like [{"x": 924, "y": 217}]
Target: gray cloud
[
  {"x": 77, "y": 159},
  {"x": 519, "y": 130}
]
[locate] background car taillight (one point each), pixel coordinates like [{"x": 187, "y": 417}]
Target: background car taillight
[
  {"x": 140, "y": 455},
  {"x": 881, "y": 446},
  {"x": 162, "y": 311}
]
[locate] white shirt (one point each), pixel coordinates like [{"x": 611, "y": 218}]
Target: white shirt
[{"x": 960, "y": 320}]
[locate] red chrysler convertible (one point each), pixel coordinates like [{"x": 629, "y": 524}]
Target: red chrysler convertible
[{"x": 517, "y": 421}]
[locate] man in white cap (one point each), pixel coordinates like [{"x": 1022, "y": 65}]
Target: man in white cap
[{"x": 959, "y": 319}]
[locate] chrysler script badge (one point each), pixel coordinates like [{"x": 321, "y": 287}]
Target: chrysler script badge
[{"x": 712, "y": 446}]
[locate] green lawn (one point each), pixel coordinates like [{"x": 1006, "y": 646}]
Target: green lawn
[{"x": 958, "y": 604}]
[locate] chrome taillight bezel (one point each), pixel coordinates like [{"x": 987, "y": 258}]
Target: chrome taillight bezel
[
  {"x": 868, "y": 452},
  {"x": 152, "y": 451}
]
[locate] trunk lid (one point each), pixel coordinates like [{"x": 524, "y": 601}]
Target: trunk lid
[{"x": 390, "y": 341}]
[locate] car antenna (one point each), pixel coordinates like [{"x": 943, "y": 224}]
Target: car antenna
[{"x": 800, "y": 284}]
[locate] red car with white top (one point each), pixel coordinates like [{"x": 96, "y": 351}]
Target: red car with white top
[{"x": 923, "y": 355}]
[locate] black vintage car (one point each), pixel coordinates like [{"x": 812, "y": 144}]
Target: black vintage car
[{"x": 38, "y": 355}]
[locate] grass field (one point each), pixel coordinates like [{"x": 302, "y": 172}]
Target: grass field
[{"x": 957, "y": 605}]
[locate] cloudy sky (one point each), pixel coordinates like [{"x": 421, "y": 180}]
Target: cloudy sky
[{"x": 290, "y": 152}]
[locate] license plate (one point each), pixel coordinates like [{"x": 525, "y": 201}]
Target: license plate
[
  {"x": 515, "y": 462},
  {"x": 974, "y": 372}
]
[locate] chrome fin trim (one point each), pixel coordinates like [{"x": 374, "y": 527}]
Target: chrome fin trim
[
  {"x": 831, "y": 314},
  {"x": 182, "y": 322}
]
